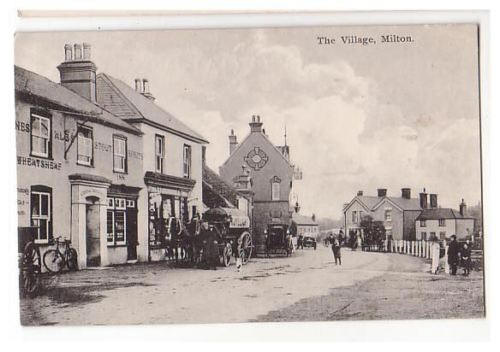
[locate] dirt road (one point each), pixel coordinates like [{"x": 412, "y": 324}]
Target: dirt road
[{"x": 266, "y": 289}]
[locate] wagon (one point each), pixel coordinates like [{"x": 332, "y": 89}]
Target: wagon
[
  {"x": 29, "y": 262},
  {"x": 234, "y": 227},
  {"x": 278, "y": 239}
]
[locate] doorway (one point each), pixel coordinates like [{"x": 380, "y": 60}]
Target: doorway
[{"x": 93, "y": 236}]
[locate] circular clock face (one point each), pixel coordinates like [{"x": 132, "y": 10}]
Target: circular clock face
[{"x": 256, "y": 158}]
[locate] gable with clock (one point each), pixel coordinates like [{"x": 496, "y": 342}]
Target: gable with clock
[{"x": 256, "y": 158}]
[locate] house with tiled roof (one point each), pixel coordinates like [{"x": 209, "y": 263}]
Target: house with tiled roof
[
  {"x": 441, "y": 223},
  {"x": 79, "y": 167},
  {"x": 398, "y": 214},
  {"x": 305, "y": 225}
]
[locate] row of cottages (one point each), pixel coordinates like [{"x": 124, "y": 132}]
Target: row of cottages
[
  {"x": 271, "y": 173},
  {"x": 407, "y": 218},
  {"x": 99, "y": 163},
  {"x": 441, "y": 223}
]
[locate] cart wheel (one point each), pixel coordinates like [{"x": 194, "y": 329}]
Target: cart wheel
[
  {"x": 246, "y": 247},
  {"x": 226, "y": 255},
  {"x": 30, "y": 269}
]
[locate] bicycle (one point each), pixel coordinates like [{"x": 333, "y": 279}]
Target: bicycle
[{"x": 54, "y": 260}]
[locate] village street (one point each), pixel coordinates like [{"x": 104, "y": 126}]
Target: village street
[{"x": 306, "y": 286}]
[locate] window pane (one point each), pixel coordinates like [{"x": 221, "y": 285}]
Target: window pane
[
  {"x": 44, "y": 128},
  {"x": 35, "y": 204},
  {"x": 35, "y": 126},
  {"x": 109, "y": 226},
  {"x": 39, "y": 145},
  {"x": 120, "y": 226},
  {"x": 43, "y": 231},
  {"x": 45, "y": 205}
]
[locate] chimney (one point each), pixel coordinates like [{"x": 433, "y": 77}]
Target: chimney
[
  {"x": 423, "y": 200},
  {"x": 138, "y": 85},
  {"x": 145, "y": 90},
  {"x": 360, "y": 193},
  {"x": 406, "y": 193},
  {"x": 68, "y": 52},
  {"x": 255, "y": 125},
  {"x": 433, "y": 200},
  {"x": 463, "y": 208},
  {"x": 233, "y": 142},
  {"x": 381, "y": 192},
  {"x": 78, "y": 72}
]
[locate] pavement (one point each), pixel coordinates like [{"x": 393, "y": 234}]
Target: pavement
[{"x": 305, "y": 286}]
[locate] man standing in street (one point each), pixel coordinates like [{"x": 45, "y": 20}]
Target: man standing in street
[
  {"x": 466, "y": 259},
  {"x": 453, "y": 253},
  {"x": 336, "y": 251}
]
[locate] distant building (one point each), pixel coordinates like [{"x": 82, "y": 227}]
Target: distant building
[
  {"x": 441, "y": 223},
  {"x": 305, "y": 225},
  {"x": 271, "y": 173},
  {"x": 397, "y": 213}
]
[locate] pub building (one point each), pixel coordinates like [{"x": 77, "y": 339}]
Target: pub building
[{"x": 78, "y": 166}]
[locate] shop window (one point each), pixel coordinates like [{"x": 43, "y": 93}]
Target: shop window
[
  {"x": 119, "y": 154},
  {"x": 85, "y": 150},
  {"x": 116, "y": 222},
  {"x": 41, "y": 212},
  {"x": 442, "y": 222},
  {"x": 40, "y": 135},
  {"x": 422, "y": 223},
  {"x": 187, "y": 161},
  {"x": 159, "y": 153}
]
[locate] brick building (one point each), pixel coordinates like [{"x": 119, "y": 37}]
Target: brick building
[{"x": 271, "y": 173}]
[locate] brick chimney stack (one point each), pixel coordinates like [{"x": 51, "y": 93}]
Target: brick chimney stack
[
  {"x": 233, "y": 142},
  {"x": 145, "y": 90},
  {"x": 256, "y": 124},
  {"x": 382, "y": 192},
  {"x": 423, "y": 199},
  {"x": 463, "y": 208},
  {"x": 78, "y": 72},
  {"x": 138, "y": 85},
  {"x": 406, "y": 193},
  {"x": 360, "y": 193},
  {"x": 433, "y": 200}
]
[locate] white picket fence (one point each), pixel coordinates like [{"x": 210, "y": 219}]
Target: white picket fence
[{"x": 416, "y": 248}]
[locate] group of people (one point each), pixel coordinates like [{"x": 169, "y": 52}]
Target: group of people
[{"x": 459, "y": 255}]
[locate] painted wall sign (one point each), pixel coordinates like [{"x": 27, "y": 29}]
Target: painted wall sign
[{"x": 40, "y": 163}]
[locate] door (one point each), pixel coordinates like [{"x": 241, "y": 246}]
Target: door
[
  {"x": 92, "y": 225},
  {"x": 132, "y": 233}
]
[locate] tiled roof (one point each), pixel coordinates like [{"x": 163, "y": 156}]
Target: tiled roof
[
  {"x": 213, "y": 183},
  {"x": 406, "y": 204},
  {"x": 303, "y": 220},
  {"x": 121, "y": 99},
  {"x": 33, "y": 84},
  {"x": 440, "y": 213},
  {"x": 369, "y": 201}
]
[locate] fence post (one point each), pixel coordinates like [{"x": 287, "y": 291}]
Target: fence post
[{"x": 412, "y": 247}]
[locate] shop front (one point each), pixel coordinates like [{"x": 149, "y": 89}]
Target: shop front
[{"x": 169, "y": 208}]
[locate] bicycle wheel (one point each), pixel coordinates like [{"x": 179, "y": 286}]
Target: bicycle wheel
[
  {"x": 72, "y": 259},
  {"x": 53, "y": 261}
]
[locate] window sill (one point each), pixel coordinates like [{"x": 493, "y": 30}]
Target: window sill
[
  {"x": 41, "y": 157},
  {"x": 86, "y": 165},
  {"x": 116, "y": 245},
  {"x": 120, "y": 172}
]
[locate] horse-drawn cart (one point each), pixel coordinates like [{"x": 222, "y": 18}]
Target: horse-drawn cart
[
  {"x": 30, "y": 264},
  {"x": 234, "y": 228}
]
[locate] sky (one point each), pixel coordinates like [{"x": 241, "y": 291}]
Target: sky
[{"x": 358, "y": 117}]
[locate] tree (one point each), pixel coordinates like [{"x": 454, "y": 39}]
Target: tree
[{"x": 374, "y": 231}]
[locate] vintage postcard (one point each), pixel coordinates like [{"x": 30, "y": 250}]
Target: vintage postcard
[{"x": 249, "y": 175}]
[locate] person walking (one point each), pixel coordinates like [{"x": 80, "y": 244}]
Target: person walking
[
  {"x": 453, "y": 255},
  {"x": 435, "y": 249},
  {"x": 336, "y": 251},
  {"x": 466, "y": 259}
]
